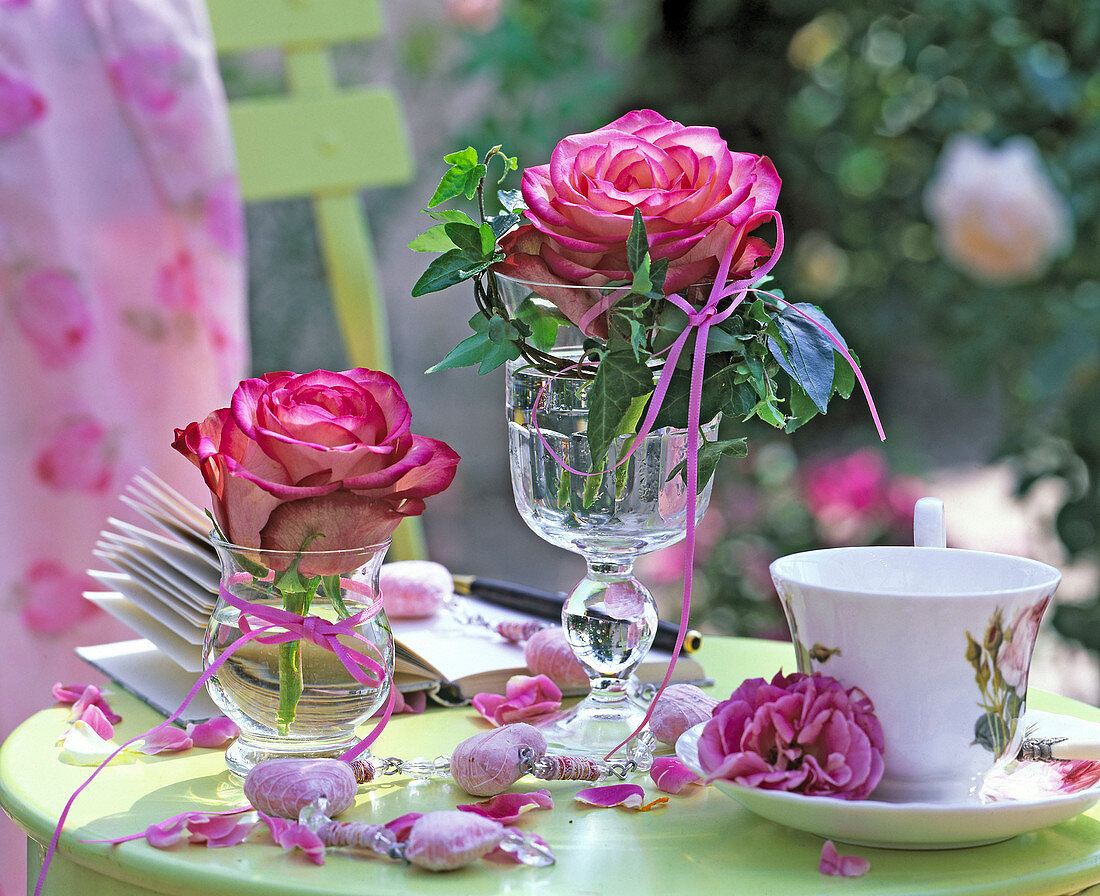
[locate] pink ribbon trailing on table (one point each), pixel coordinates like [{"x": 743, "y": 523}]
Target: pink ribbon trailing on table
[
  {"x": 318, "y": 631},
  {"x": 700, "y": 321}
]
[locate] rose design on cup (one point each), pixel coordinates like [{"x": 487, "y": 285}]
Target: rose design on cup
[{"x": 1000, "y": 660}]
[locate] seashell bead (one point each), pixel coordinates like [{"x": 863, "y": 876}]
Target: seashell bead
[
  {"x": 488, "y": 763},
  {"x": 444, "y": 841},
  {"x": 548, "y": 653},
  {"x": 413, "y": 589},
  {"x": 283, "y": 787},
  {"x": 679, "y": 707}
]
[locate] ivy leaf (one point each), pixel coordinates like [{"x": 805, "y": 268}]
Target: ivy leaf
[
  {"x": 808, "y": 355},
  {"x": 502, "y": 224},
  {"x": 710, "y": 453},
  {"x": 620, "y": 379},
  {"x": 803, "y": 409},
  {"x": 434, "y": 239},
  {"x": 466, "y": 237},
  {"x": 471, "y": 350},
  {"x": 450, "y": 268},
  {"x": 464, "y": 175},
  {"x": 637, "y": 243},
  {"x": 844, "y": 382},
  {"x": 658, "y": 270},
  {"x": 719, "y": 384},
  {"x": 512, "y": 200},
  {"x": 451, "y": 216},
  {"x": 544, "y": 327}
]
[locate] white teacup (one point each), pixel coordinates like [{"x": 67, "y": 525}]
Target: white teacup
[{"x": 940, "y": 640}]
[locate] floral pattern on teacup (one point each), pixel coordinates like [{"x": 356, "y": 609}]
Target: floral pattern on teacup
[{"x": 1000, "y": 659}]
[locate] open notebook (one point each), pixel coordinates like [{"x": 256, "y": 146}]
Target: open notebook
[{"x": 163, "y": 585}]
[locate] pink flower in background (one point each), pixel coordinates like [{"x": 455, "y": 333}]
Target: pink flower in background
[
  {"x": 79, "y": 457},
  {"x": 997, "y": 214},
  {"x": 52, "y": 597},
  {"x": 693, "y": 193},
  {"x": 525, "y": 697},
  {"x": 20, "y": 105},
  {"x": 477, "y": 15},
  {"x": 224, "y": 216},
  {"x": 149, "y": 76},
  {"x": 54, "y": 314},
  {"x": 801, "y": 733},
  {"x": 853, "y": 495},
  {"x": 1014, "y": 656},
  {"x": 177, "y": 287},
  {"x": 836, "y": 865}
]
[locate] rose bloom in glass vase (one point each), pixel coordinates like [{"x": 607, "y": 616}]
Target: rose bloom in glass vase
[
  {"x": 624, "y": 287},
  {"x": 309, "y": 476}
]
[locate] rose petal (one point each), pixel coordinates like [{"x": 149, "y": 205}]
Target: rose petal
[
  {"x": 214, "y": 733},
  {"x": 629, "y": 796},
  {"x": 508, "y": 807},
  {"x": 671, "y": 775},
  {"x": 217, "y": 830},
  {"x": 82, "y": 746},
  {"x": 90, "y": 696},
  {"x": 97, "y": 721},
  {"x": 168, "y": 832},
  {"x": 291, "y": 835},
  {"x": 168, "y": 739},
  {"x": 403, "y": 824},
  {"x": 834, "y": 864}
]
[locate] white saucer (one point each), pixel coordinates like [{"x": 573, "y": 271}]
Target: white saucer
[{"x": 913, "y": 825}]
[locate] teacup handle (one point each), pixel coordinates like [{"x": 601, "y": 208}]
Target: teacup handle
[{"x": 929, "y": 525}]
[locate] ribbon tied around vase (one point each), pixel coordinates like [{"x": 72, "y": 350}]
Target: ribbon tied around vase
[{"x": 700, "y": 321}]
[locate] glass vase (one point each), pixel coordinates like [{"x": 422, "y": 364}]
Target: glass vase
[
  {"x": 611, "y": 518},
  {"x": 296, "y": 698}
]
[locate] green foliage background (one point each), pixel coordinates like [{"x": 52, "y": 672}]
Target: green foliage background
[{"x": 854, "y": 102}]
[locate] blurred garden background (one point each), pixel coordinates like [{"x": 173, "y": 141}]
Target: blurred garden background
[{"x": 941, "y": 200}]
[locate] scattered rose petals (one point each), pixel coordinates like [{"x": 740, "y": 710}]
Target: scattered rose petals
[
  {"x": 214, "y": 733},
  {"x": 291, "y": 835},
  {"x": 81, "y": 696},
  {"x": 629, "y": 796},
  {"x": 834, "y": 864},
  {"x": 403, "y": 824},
  {"x": 508, "y": 807},
  {"x": 93, "y": 716},
  {"x": 217, "y": 831},
  {"x": 671, "y": 775},
  {"x": 168, "y": 739},
  {"x": 415, "y": 702},
  {"x": 525, "y": 697},
  {"x": 81, "y": 745}
]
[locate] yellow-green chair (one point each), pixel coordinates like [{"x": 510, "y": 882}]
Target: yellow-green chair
[{"x": 326, "y": 143}]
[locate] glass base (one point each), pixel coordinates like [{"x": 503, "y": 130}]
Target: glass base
[
  {"x": 243, "y": 754},
  {"x": 594, "y": 727}
]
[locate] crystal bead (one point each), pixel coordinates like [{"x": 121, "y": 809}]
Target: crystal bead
[
  {"x": 527, "y": 851},
  {"x": 420, "y": 769}
]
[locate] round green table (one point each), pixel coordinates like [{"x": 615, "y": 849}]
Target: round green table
[{"x": 700, "y": 842}]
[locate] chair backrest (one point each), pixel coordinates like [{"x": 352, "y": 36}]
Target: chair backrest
[{"x": 327, "y": 143}]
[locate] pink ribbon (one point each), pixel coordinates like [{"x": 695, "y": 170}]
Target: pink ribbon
[
  {"x": 700, "y": 321},
  {"x": 318, "y": 631}
]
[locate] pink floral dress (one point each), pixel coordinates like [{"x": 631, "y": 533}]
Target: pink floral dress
[{"x": 122, "y": 303}]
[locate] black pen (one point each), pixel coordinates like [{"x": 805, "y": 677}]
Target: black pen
[{"x": 547, "y": 605}]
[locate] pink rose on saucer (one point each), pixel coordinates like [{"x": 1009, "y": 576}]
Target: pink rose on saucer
[
  {"x": 802, "y": 733},
  {"x": 694, "y": 194}
]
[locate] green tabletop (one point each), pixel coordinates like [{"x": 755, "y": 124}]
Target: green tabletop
[{"x": 699, "y": 842}]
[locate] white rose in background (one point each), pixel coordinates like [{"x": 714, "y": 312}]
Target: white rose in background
[{"x": 997, "y": 214}]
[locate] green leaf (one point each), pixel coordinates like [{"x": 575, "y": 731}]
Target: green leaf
[
  {"x": 544, "y": 327},
  {"x": 719, "y": 382},
  {"x": 488, "y": 239},
  {"x": 637, "y": 244},
  {"x": 464, "y": 175},
  {"x": 434, "y": 239},
  {"x": 620, "y": 379},
  {"x": 803, "y": 410},
  {"x": 450, "y": 268},
  {"x": 466, "y": 237},
  {"x": 331, "y": 585},
  {"x": 845, "y": 379},
  {"x": 719, "y": 340},
  {"x": 501, "y": 224},
  {"x": 501, "y": 330},
  {"x": 658, "y": 270},
  {"x": 471, "y": 350},
  {"x": 500, "y": 352},
  {"x": 808, "y": 354},
  {"x": 710, "y": 453},
  {"x": 512, "y": 200},
  {"x": 451, "y": 216},
  {"x": 642, "y": 284}
]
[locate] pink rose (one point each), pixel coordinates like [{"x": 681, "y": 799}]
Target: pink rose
[
  {"x": 20, "y": 105},
  {"x": 525, "y": 697},
  {"x": 802, "y": 733},
  {"x": 53, "y": 312},
  {"x": 693, "y": 193},
  {"x": 316, "y": 454},
  {"x": 1014, "y": 657},
  {"x": 79, "y": 457}
]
